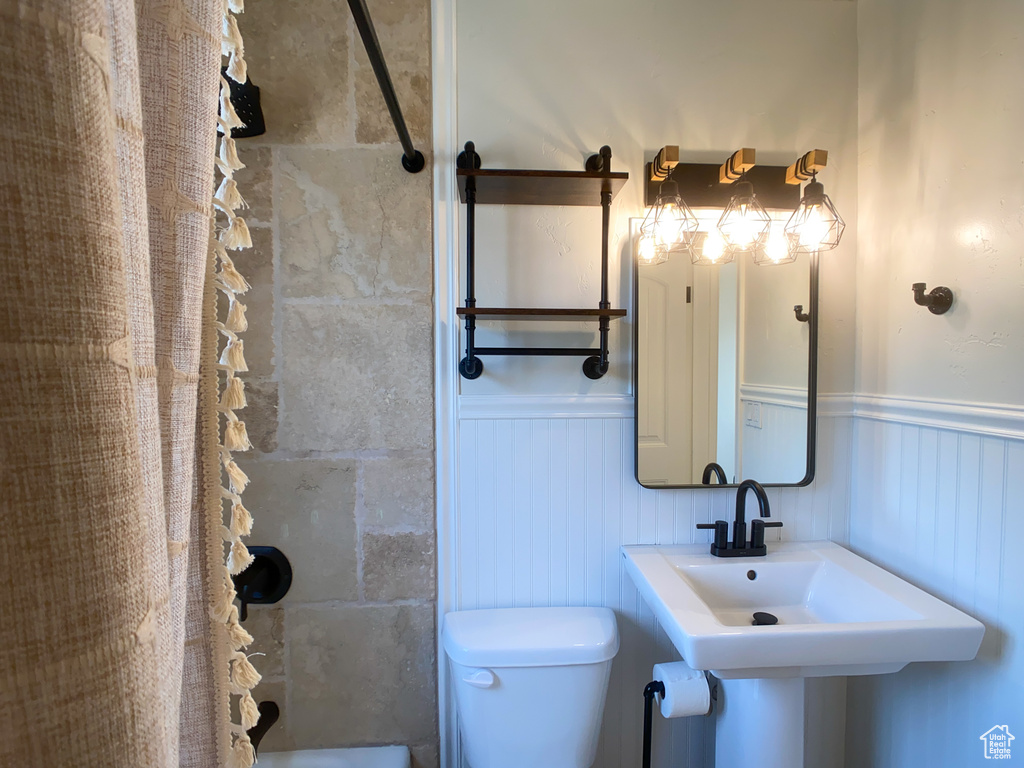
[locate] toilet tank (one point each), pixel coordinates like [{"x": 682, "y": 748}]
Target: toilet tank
[{"x": 530, "y": 683}]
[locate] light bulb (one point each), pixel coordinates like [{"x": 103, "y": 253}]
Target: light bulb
[
  {"x": 816, "y": 224},
  {"x": 744, "y": 223},
  {"x": 714, "y": 246},
  {"x": 777, "y": 250},
  {"x": 648, "y": 253},
  {"x": 668, "y": 228},
  {"x": 745, "y": 229},
  {"x": 670, "y": 222},
  {"x": 814, "y": 229}
]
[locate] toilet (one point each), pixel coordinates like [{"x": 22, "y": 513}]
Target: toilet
[{"x": 530, "y": 683}]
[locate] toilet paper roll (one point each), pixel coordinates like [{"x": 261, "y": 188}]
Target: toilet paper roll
[{"x": 687, "y": 691}]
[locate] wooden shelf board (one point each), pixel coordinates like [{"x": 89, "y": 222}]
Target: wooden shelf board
[
  {"x": 532, "y": 313},
  {"x": 517, "y": 187}
]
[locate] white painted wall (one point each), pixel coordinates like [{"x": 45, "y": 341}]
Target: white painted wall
[
  {"x": 773, "y": 343},
  {"x": 544, "y": 83},
  {"x": 938, "y": 495},
  {"x": 941, "y": 198},
  {"x": 542, "y": 458}
]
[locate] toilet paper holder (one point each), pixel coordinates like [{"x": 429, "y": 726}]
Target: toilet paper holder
[{"x": 657, "y": 688}]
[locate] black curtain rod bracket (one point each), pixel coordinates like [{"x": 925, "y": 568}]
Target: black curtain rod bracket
[{"x": 412, "y": 159}]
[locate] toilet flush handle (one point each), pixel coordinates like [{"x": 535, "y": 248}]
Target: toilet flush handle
[{"x": 480, "y": 678}]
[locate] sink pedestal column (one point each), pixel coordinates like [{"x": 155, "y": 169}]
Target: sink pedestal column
[{"x": 760, "y": 723}]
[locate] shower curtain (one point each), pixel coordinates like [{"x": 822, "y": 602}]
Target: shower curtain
[{"x": 119, "y": 644}]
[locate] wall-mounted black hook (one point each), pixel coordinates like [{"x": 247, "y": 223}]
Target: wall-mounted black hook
[
  {"x": 938, "y": 300},
  {"x": 269, "y": 714},
  {"x": 802, "y": 316}
]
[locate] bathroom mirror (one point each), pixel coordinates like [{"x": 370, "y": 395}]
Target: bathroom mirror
[{"x": 724, "y": 371}]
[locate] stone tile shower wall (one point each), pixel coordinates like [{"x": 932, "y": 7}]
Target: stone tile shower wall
[{"x": 340, "y": 393}]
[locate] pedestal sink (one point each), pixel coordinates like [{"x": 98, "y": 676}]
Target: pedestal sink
[{"x": 837, "y": 614}]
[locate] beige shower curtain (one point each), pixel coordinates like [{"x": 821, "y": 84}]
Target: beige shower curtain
[{"x": 118, "y": 642}]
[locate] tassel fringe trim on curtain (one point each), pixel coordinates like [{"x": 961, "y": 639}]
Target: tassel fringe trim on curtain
[{"x": 233, "y": 236}]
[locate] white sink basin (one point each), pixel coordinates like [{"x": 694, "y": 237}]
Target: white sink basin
[{"x": 837, "y": 613}]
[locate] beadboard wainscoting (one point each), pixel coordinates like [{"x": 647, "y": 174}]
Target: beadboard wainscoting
[
  {"x": 545, "y": 497},
  {"x": 774, "y": 433},
  {"x": 938, "y": 498}
]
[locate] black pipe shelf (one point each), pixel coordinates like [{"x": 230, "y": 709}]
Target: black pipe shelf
[
  {"x": 529, "y": 313},
  {"x": 512, "y": 187},
  {"x": 596, "y": 185}
]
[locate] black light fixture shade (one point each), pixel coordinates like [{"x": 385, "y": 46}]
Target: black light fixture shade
[
  {"x": 670, "y": 223},
  {"x": 745, "y": 223},
  {"x": 816, "y": 224}
]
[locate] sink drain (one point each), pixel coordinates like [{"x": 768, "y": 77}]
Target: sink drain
[{"x": 764, "y": 619}]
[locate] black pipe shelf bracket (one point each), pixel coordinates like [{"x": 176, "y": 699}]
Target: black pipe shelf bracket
[
  {"x": 412, "y": 159},
  {"x": 596, "y": 185}
]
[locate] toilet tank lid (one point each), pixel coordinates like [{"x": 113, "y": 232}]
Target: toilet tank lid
[{"x": 530, "y": 637}]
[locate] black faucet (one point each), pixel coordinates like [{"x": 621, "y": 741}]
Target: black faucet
[
  {"x": 717, "y": 471},
  {"x": 739, "y": 546}
]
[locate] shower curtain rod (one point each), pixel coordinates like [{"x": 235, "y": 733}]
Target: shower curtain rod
[{"x": 412, "y": 159}]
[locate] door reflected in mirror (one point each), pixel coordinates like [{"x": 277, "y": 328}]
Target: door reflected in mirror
[{"x": 724, "y": 371}]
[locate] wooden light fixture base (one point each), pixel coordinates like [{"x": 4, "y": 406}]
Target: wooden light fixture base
[{"x": 808, "y": 165}]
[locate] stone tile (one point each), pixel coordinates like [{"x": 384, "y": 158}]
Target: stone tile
[
  {"x": 278, "y": 738},
  {"x": 373, "y": 121},
  {"x": 399, "y": 493},
  {"x": 425, "y": 756},
  {"x": 256, "y": 183},
  {"x": 398, "y": 566},
  {"x": 266, "y": 624},
  {"x": 299, "y": 58},
  {"x": 403, "y": 27},
  {"x": 260, "y": 413},
  {"x": 362, "y": 675},
  {"x": 256, "y": 266},
  {"x": 353, "y": 224},
  {"x": 306, "y": 508},
  {"x": 356, "y": 378}
]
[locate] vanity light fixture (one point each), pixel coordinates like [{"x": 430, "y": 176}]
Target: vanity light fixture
[
  {"x": 732, "y": 219},
  {"x": 647, "y": 252},
  {"x": 745, "y": 223},
  {"x": 670, "y": 224},
  {"x": 709, "y": 249},
  {"x": 816, "y": 224},
  {"x": 776, "y": 250}
]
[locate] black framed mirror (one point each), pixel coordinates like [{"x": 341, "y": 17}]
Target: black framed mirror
[{"x": 724, "y": 371}]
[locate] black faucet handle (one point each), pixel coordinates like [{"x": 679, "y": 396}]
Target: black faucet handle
[
  {"x": 757, "y": 527},
  {"x": 721, "y": 529}
]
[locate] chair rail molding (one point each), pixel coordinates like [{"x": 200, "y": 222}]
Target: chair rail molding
[
  {"x": 993, "y": 419},
  {"x": 546, "y": 407}
]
